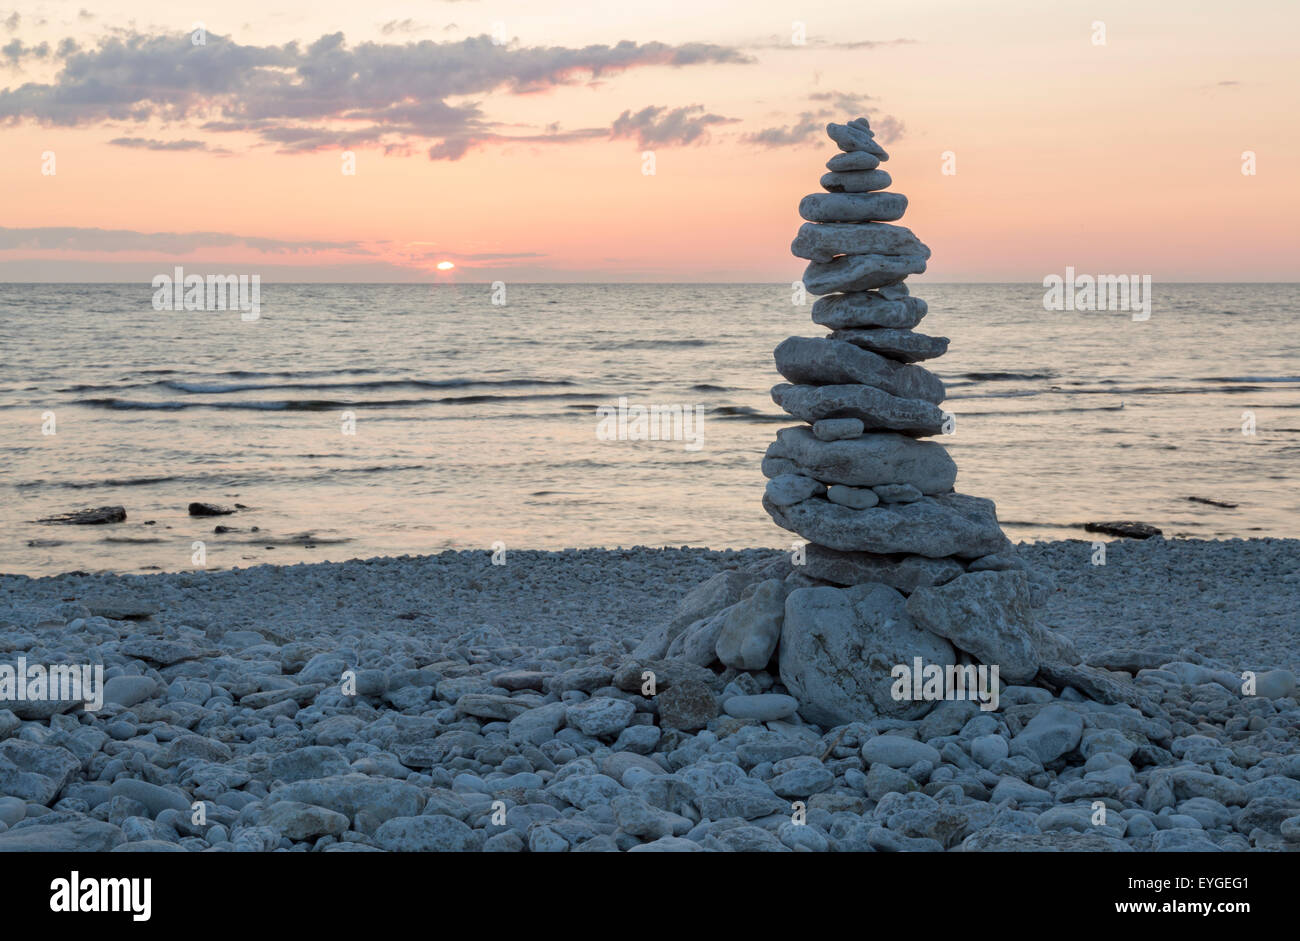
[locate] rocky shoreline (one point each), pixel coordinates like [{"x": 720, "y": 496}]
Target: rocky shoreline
[{"x": 499, "y": 707}]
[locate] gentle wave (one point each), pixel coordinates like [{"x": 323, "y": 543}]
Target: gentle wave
[
  {"x": 230, "y": 479},
  {"x": 1251, "y": 379},
  {"x": 315, "y": 405},
  {"x": 218, "y": 388}
]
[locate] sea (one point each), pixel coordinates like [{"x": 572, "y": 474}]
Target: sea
[{"x": 359, "y": 420}]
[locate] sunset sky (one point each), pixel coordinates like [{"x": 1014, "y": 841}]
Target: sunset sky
[{"x": 508, "y": 137}]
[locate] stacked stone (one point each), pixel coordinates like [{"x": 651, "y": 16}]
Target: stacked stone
[
  {"x": 897, "y": 565},
  {"x": 859, "y": 480},
  {"x": 927, "y": 571}
]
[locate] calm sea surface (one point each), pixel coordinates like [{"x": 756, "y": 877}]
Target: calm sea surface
[{"x": 477, "y": 424}]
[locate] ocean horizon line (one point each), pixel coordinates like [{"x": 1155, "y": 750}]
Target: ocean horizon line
[{"x": 583, "y": 283}]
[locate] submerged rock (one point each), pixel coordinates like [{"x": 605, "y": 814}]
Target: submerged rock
[{"x": 95, "y": 516}]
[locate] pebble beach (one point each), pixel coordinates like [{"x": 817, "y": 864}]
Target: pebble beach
[{"x": 444, "y": 702}]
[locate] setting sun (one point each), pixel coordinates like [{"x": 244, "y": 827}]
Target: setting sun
[{"x": 446, "y": 265}]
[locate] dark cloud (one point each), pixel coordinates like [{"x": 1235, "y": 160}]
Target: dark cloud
[
  {"x": 846, "y": 103},
  {"x": 888, "y": 128},
  {"x": 654, "y": 125},
  {"x": 813, "y": 42},
  {"x": 861, "y": 44},
  {"x": 72, "y": 238},
  {"x": 401, "y": 26},
  {"x": 837, "y": 107},
  {"x": 326, "y": 94},
  {"x": 791, "y": 135},
  {"x": 14, "y": 51},
  {"x": 146, "y": 143},
  {"x": 12, "y": 21}
]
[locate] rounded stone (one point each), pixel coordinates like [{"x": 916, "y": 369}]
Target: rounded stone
[{"x": 765, "y": 707}]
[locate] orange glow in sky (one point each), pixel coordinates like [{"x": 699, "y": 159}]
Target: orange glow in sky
[{"x": 525, "y": 143}]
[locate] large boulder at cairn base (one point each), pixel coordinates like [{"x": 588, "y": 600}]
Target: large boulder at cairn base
[
  {"x": 860, "y": 272},
  {"x": 702, "y": 601},
  {"x": 953, "y": 524},
  {"x": 868, "y": 309},
  {"x": 823, "y": 241},
  {"x": 840, "y": 646},
  {"x": 752, "y": 627},
  {"x": 819, "y": 361},
  {"x": 853, "y": 207},
  {"x": 986, "y": 614},
  {"x": 869, "y": 461},
  {"x": 906, "y": 573},
  {"x": 877, "y": 410}
]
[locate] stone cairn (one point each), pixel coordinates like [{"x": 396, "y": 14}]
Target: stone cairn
[{"x": 897, "y": 564}]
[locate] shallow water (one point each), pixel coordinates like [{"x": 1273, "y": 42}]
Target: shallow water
[{"x": 477, "y": 424}]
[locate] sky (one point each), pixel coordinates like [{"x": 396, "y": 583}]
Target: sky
[{"x": 514, "y": 139}]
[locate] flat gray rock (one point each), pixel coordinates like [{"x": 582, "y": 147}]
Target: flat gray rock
[
  {"x": 895, "y": 751},
  {"x": 752, "y": 627},
  {"x": 121, "y": 606},
  {"x": 299, "y": 821},
  {"x": 852, "y": 138},
  {"x": 878, "y": 410},
  {"x": 839, "y": 646},
  {"x": 855, "y": 181},
  {"x": 824, "y": 241},
  {"x": 129, "y": 690},
  {"x": 785, "y": 489},
  {"x": 765, "y": 707},
  {"x": 867, "y": 461},
  {"x": 697, "y": 644},
  {"x": 835, "y": 429},
  {"x": 823, "y": 361},
  {"x": 1053, "y": 732},
  {"x": 426, "y": 834},
  {"x": 35, "y": 772},
  {"x": 994, "y": 840},
  {"x": 853, "y": 207},
  {"x": 897, "y": 493},
  {"x": 868, "y": 309},
  {"x": 81, "y": 834},
  {"x": 688, "y": 705},
  {"x": 158, "y": 650},
  {"x": 350, "y": 794},
  {"x": 155, "y": 797},
  {"x": 853, "y": 160},
  {"x": 855, "y": 498},
  {"x": 953, "y": 524},
  {"x": 904, "y": 345},
  {"x": 1052, "y": 646},
  {"x": 702, "y": 601},
  {"x": 986, "y": 614},
  {"x": 860, "y": 272},
  {"x": 600, "y": 716},
  {"x": 905, "y": 573},
  {"x": 1097, "y": 684}
]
